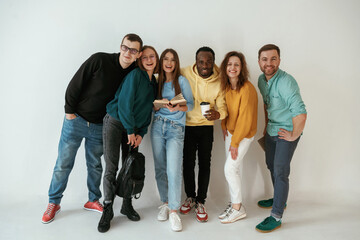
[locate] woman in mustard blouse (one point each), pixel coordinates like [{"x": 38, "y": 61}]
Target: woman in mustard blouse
[{"x": 239, "y": 127}]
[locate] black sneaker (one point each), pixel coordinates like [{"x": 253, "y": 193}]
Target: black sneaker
[
  {"x": 128, "y": 210},
  {"x": 107, "y": 215}
]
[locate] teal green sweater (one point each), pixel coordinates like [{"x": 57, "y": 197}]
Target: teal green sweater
[{"x": 133, "y": 102}]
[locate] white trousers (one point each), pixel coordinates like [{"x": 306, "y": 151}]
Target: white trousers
[{"x": 233, "y": 167}]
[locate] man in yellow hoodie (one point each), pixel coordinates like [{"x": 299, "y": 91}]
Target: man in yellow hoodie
[{"x": 204, "y": 80}]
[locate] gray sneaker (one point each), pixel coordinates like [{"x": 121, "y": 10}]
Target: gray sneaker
[
  {"x": 224, "y": 213},
  {"x": 233, "y": 215}
]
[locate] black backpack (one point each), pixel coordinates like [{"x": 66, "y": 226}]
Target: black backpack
[{"x": 130, "y": 180}]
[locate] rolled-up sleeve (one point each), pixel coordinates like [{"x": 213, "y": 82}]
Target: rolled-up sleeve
[{"x": 292, "y": 97}]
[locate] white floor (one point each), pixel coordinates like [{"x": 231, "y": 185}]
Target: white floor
[{"x": 303, "y": 219}]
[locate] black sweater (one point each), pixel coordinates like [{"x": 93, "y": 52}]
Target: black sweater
[{"x": 94, "y": 85}]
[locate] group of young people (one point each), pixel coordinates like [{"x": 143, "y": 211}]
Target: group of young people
[{"x": 109, "y": 103}]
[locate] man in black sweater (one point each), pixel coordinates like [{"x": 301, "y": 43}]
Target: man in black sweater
[{"x": 91, "y": 88}]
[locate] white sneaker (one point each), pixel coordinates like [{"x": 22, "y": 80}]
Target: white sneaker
[
  {"x": 233, "y": 215},
  {"x": 223, "y": 214},
  {"x": 163, "y": 213},
  {"x": 175, "y": 222}
]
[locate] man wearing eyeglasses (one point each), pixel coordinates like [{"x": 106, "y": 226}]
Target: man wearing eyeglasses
[{"x": 91, "y": 88}]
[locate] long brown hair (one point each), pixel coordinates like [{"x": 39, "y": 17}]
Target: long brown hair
[
  {"x": 244, "y": 73},
  {"x": 139, "y": 63},
  {"x": 176, "y": 73}
]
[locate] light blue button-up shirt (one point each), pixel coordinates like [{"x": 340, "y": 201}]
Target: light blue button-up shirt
[{"x": 281, "y": 95}]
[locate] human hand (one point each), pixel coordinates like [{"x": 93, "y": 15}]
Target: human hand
[
  {"x": 234, "y": 152},
  {"x": 212, "y": 115},
  {"x": 173, "y": 108},
  {"x": 70, "y": 116},
  {"x": 137, "y": 141},
  {"x": 286, "y": 135},
  {"x": 132, "y": 139},
  {"x": 225, "y": 133}
]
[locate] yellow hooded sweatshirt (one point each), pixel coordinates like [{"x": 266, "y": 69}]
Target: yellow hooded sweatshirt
[{"x": 204, "y": 90}]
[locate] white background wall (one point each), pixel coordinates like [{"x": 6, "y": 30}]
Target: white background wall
[{"x": 43, "y": 43}]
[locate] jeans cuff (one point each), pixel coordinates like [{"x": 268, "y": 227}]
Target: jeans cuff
[{"x": 275, "y": 215}]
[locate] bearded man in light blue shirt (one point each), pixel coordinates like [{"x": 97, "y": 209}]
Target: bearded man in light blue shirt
[{"x": 285, "y": 117}]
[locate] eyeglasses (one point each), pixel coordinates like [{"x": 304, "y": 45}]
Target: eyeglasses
[{"x": 125, "y": 48}]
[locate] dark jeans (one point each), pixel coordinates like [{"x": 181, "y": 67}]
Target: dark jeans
[
  {"x": 197, "y": 138},
  {"x": 278, "y": 154},
  {"x": 114, "y": 136}
]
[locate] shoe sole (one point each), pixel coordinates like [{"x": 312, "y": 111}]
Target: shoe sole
[
  {"x": 264, "y": 207},
  {"x": 201, "y": 221},
  {"x": 267, "y": 231},
  {"x": 162, "y": 220},
  {"x": 176, "y": 230},
  {"x": 93, "y": 210},
  {"x": 236, "y": 219},
  {"x": 185, "y": 213},
  {"x": 52, "y": 218}
]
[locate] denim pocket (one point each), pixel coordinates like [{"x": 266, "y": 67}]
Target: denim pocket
[
  {"x": 178, "y": 127},
  {"x": 71, "y": 120}
]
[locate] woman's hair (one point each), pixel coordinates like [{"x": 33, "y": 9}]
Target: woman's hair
[
  {"x": 244, "y": 73},
  {"x": 162, "y": 75},
  {"x": 139, "y": 63}
]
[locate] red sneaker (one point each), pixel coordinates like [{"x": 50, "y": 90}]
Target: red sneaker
[
  {"x": 187, "y": 205},
  {"x": 95, "y": 206},
  {"x": 51, "y": 211},
  {"x": 201, "y": 214}
]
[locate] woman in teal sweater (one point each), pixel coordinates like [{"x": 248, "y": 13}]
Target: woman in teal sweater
[{"x": 126, "y": 122}]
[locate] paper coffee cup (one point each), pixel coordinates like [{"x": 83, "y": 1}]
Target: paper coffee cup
[{"x": 205, "y": 106}]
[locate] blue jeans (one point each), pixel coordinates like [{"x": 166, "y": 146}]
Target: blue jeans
[
  {"x": 73, "y": 132},
  {"x": 278, "y": 154},
  {"x": 167, "y": 138}
]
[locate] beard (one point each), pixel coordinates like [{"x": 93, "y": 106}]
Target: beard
[{"x": 270, "y": 71}]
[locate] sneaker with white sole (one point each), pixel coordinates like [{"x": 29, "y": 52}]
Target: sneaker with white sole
[
  {"x": 175, "y": 222},
  {"x": 234, "y": 215},
  {"x": 201, "y": 214},
  {"x": 224, "y": 213},
  {"x": 95, "y": 206},
  {"x": 187, "y": 205},
  {"x": 51, "y": 211},
  {"x": 163, "y": 213}
]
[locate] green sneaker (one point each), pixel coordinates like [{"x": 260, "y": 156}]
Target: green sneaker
[
  {"x": 268, "y": 225},
  {"x": 267, "y": 203}
]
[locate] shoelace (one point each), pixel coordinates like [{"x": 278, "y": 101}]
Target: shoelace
[
  {"x": 188, "y": 202},
  {"x": 267, "y": 220},
  {"x": 50, "y": 208},
  {"x": 176, "y": 216},
  {"x": 201, "y": 208},
  {"x": 228, "y": 208},
  {"x": 229, "y": 212},
  {"x": 99, "y": 204},
  {"x": 163, "y": 208}
]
